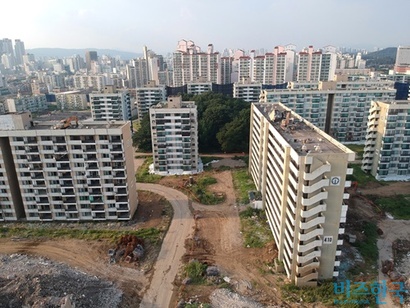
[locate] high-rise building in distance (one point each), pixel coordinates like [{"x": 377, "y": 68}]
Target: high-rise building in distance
[{"x": 89, "y": 57}]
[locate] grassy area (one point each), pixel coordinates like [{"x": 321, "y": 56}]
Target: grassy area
[
  {"x": 200, "y": 192},
  {"x": 208, "y": 159},
  {"x": 254, "y": 228},
  {"x": 360, "y": 176},
  {"x": 398, "y": 206},
  {"x": 325, "y": 294},
  {"x": 152, "y": 235},
  {"x": 243, "y": 184},
  {"x": 358, "y": 148},
  {"x": 143, "y": 175}
]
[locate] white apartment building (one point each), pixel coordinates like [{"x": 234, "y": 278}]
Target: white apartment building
[
  {"x": 111, "y": 104},
  {"x": 71, "y": 100},
  {"x": 189, "y": 63},
  {"x": 34, "y": 103},
  {"x": 65, "y": 170},
  {"x": 402, "y": 65},
  {"x": 316, "y": 65},
  {"x": 387, "y": 148},
  {"x": 148, "y": 96},
  {"x": 340, "y": 109},
  {"x": 247, "y": 91},
  {"x": 95, "y": 82},
  {"x": 174, "y": 134},
  {"x": 301, "y": 174},
  {"x": 197, "y": 88}
]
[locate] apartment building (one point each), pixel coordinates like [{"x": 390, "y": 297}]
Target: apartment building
[
  {"x": 190, "y": 63},
  {"x": 174, "y": 134},
  {"x": 65, "y": 170},
  {"x": 95, "y": 82},
  {"x": 71, "y": 100},
  {"x": 111, "y": 104},
  {"x": 387, "y": 148},
  {"x": 317, "y": 65},
  {"x": 402, "y": 65},
  {"x": 33, "y": 103},
  {"x": 301, "y": 174},
  {"x": 197, "y": 88},
  {"x": 247, "y": 90},
  {"x": 147, "y": 96},
  {"x": 340, "y": 109}
]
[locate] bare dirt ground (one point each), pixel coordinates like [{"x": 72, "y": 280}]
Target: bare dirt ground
[
  {"x": 91, "y": 256},
  {"x": 389, "y": 189}
]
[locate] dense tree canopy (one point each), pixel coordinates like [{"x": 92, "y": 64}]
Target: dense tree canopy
[{"x": 223, "y": 124}]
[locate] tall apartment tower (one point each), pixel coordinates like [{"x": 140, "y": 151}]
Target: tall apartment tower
[
  {"x": 300, "y": 172},
  {"x": 226, "y": 70},
  {"x": 387, "y": 148},
  {"x": 90, "y": 56},
  {"x": 65, "y": 170},
  {"x": 339, "y": 108},
  {"x": 174, "y": 134},
  {"x": 111, "y": 104},
  {"x": 246, "y": 90},
  {"x": 19, "y": 50},
  {"x": 316, "y": 65},
  {"x": 149, "y": 95},
  {"x": 189, "y": 63},
  {"x": 402, "y": 65}
]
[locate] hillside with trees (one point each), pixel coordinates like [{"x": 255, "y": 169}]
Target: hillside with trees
[{"x": 223, "y": 124}]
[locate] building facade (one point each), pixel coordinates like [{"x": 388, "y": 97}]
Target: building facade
[
  {"x": 110, "y": 104},
  {"x": 247, "y": 91},
  {"x": 300, "y": 172},
  {"x": 71, "y": 100},
  {"x": 402, "y": 65},
  {"x": 340, "y": 109},
  {"x": 34, "y": 103},
  {"x": 387, "y": 148},
  {"x": 148, "y": 96},
  {"x": 174, "y": 134},
  {"x": 66, "y": 171}
]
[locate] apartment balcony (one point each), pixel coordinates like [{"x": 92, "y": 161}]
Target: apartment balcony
[
  {"x": 93, "y": 175},
  {"x": 307, "y": 235},
  {"x": 307, "y": 269},
  {"x": 91, "y": 157},
  {"x": 123, "y": 215},
  {"x": 119, "y": 174},
  {"x": 121, "y": 199},
  {"x": 69, "y": 200},
  {"x": 308, "y": 257},
  {"x": 117, "y": 157},
  {"x": 66, "y": 184},
  {"x": 315, "y": 199},
  {"x": 96, "y": 199},
  {"x": 44, "y": 208},
  {"x": 90, "y": 149},
  {"x": 45, "y": 216},
  {"x": 94, "y": 191},
  {"x": 311, "y": 223},
  {"x": 91, "y": 166},
  {"x": 65, "y": 175},
  {"x": 71, "y": 208},
  {"x": 309, "y": 246},
  {"x": 313, "y": 211},
  {"x": 88, "y": 140},
  {"x": 97, "y": 208},
  {"x": 94, "y": 183},
  {"x": 120, "y": 183},
  {"x": 307, "y": 280},
  {"x": 122, "y": 207},
  {"x": 338, "y": 253},
  {"x": 316, "y": 186},
  {"x": 116, "y": 148},
  {"x": 121, "y": 191},
  {"x": 373, "y": 116},
  {"x": 317, "y": 173}
]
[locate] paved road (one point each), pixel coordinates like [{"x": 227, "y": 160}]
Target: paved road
[{"x": 169, "y": 259}]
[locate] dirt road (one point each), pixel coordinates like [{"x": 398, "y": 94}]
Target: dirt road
[{"x": 168, "y": 262}]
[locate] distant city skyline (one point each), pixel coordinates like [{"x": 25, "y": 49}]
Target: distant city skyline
[{"x": 128, "y": 25}]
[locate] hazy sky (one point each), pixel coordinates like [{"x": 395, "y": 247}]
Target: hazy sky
[{"x": 129, "y": 24}]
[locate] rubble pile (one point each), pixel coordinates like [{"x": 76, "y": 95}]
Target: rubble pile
[
  {"x": 129, "y": 248},
  {"x": 39, "y": 282},
  {"x": 224, "y": 298}
]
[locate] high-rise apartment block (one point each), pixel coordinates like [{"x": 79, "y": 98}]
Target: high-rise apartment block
[
  {"x": 34, "y": 103},
  {"x": 110, "y": 104},
  {"x": 246, "y": 90},
  {"x": 197, "y": 88},
  {"x": 301, "y": 174},
  {"x": 95, "y": 82},
  {"x": 19, "y": 50},
  {"x": 339, "y": 108},
  {"x": 387, "y": 148},
  {"x": 189, "y": 64},
  {"x": 402, "y": 65},
  {"x": 147, "y": 96},
  {"x": 90, "y": 57},
  {"x": 174, "y": 134},
  {"x": 65, "y": 170},
  {"x": 71, "y": 100},
  {"x": 316, "y": 65}
]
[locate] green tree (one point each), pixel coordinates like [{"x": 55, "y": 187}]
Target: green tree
[
  {"x": 142, "y": 138},
  {"x": 234, "y": 136}
]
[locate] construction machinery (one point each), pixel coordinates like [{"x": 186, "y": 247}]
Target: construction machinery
[{"x": 67, "y": 122}]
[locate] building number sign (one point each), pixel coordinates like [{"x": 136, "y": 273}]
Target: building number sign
[
  {"x": 335, "y": 181},
  {"x": 328, "y": 240}
]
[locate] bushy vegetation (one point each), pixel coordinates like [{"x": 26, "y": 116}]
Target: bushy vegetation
[
  {"x": 195, "y": 270},
  {"x": 199, "y": 189},
  {"x": 254, "y": 228},
  {"x": 142, "y": 136},
  {"x": 358, "y": 148},
  {"x": 243, "y": 184},
  {"x": 143, "y": 176},
  {"x": 368, "y": 247},
  {"x": 398, "y": 206}
]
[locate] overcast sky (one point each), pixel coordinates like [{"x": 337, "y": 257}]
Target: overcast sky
[{"x": 129, "y": 24}]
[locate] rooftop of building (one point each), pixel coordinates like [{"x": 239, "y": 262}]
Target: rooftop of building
[{"x": 301, "y": 135}]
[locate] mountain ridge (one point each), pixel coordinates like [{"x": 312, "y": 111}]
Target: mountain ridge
[{"x": 69, "y": 52}]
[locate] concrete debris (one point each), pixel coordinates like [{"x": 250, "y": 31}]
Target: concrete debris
[
  {"x": 223, "y": 298},
  {"x": 387, "y": 266},
  {"x": 212, "y": 271},
  {"x": 186, "y": 281},
  {"x": 227, "y": 279},
  {"x": 38, "y": 282}
]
